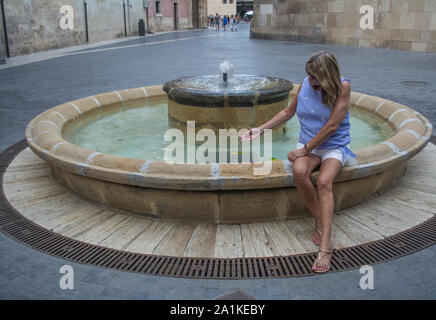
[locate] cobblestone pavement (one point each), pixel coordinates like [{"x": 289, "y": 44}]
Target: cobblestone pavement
[{"x": 30, "y": 88}]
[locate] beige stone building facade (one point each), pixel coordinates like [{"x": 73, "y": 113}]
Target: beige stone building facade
[
  {"x": 222, "y": 7},
  {"x": 397, "y": 24}
]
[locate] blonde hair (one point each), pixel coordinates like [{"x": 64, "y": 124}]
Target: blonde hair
[{"x": 324, "y": 67}]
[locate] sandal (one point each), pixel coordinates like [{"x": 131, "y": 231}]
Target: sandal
[
  {"x": 315, "y": 239},
  {"x": 318, "y": 260}
]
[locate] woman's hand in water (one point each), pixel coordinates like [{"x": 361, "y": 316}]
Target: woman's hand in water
[
  {"x": 294, "y": 154},
  {"x": 252, "y": 134}
]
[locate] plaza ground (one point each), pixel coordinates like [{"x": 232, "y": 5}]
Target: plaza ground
[{"x": 30, "y": 85}]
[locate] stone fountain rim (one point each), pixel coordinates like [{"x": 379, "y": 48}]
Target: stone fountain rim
[{"x": 44, "y": 135}]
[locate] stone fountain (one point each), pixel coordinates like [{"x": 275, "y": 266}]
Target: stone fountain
[{"x": 216, "y": 192}]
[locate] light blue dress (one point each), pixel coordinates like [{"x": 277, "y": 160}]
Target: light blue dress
[{"x": 313, "y": 115}]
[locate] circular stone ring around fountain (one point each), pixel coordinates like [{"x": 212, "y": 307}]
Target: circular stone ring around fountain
[{"x": 217, "y": 192}]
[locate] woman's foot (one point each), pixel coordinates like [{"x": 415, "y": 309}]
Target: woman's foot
[
  {"x": 317, "y": 236},
  {"x": 322, "y": 261}
]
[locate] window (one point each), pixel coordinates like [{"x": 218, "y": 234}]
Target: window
[
  {"x": 224, "y": 1},
  {"x": 158, "y": 7},
  {"x": 230, "y": 1}
]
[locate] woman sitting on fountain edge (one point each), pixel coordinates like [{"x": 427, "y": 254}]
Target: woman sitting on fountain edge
[{"x": 322, "y": 105}]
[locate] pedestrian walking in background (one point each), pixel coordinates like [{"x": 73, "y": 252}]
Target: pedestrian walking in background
[{"x": 217, "y": 22}]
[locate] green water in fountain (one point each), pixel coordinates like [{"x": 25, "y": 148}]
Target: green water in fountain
[{"x": 134, "y": 131}]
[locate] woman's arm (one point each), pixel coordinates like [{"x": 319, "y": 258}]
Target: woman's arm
[
  {"x": 284, "y": 115},
  {"x": 336, "y": 117}
]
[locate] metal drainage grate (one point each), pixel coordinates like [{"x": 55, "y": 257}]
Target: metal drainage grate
[{"x": 16, "y": 226}]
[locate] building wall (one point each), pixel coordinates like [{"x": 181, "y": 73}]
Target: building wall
[
  {"x": 34, "y": 25},
  {"x": 398, "y": 24},
  {"x": 214, "y": 6},
  {"x": 203, "y": 15},
  {"x": 99, "y": 12},
  {"x": 164, "y": 21}
]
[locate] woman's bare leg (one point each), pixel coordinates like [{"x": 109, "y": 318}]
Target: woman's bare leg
[
  {"x": 302, "y": 170},
  {"x": 328, "y": 172}
]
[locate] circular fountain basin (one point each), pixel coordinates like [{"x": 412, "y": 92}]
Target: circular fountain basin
[
  {"x": 244, "y": 101},
  {"x": 217, "y": 192},
  {"x": 136, "y": 131}
]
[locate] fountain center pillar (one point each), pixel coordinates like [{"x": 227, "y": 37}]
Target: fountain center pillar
[{"x": 245, "y": 102}]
